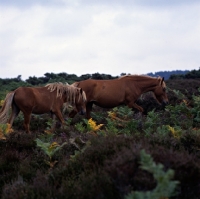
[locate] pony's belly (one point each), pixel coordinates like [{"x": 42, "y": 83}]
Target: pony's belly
[
  {"x": 40, "y": 110},
  {"x": 107, "y": 104}
]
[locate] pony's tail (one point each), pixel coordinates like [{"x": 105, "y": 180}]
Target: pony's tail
[{"x": 4, "y": 112}]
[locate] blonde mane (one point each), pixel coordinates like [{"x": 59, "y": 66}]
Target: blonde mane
[{"x": 70, "y": 90}]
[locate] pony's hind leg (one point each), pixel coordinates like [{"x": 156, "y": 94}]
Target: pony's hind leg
[
  {"x": 14, "y": 114},
  {"x": 27, "y": 118}
]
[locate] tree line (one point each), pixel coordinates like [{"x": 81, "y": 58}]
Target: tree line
[{"x": 9, "y": 84}]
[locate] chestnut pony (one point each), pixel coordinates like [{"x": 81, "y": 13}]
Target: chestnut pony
[
  {"x": 39, "y": 100},
  {"x": 124, "y": 90}
]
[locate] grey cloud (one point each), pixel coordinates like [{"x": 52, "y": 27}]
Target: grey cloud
[{"x": 67, "y": 23}]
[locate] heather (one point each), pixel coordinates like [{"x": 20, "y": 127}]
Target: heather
[{"x": 118, "y": 153}]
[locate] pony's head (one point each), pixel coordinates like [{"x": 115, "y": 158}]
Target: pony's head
[
  {"x": 160, "y": 92},
  {"x": 80, "y": 101}
]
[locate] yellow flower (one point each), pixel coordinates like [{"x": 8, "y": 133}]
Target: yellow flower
[
  {"x": 53, "y": 145},
  {"x": 112, "y": 115},
  {"x": 2, "y": 136},
  {"x": 175, "y": 133},
  {"x": 48, "y": 131},
  {"x": 185, "y": 102},
  {"x": 1, "y": 102},
  {"x": 93, "y": 125},
  {"x": 5, "y": 129},
  {"x": 8, "y": 129}
]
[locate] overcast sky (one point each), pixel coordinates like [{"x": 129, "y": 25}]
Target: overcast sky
[{"x": 104, "y": 36}]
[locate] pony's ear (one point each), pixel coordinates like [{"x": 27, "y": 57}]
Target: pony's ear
[
  {"x": 162, "y": 80},
  {"x": 81, "y": 91}
]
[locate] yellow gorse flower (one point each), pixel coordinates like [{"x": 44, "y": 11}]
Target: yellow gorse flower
[{"x": 93, "y": 125}]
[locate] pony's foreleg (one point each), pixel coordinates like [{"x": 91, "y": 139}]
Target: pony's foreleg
[
  {"x": 134, "y": 105},
  {"x": 88, "y": 109},
  {"x": 72, "y": 113},
  {"x": 59, "y": 116}
]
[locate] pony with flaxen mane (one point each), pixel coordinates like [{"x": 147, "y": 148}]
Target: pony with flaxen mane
[
  {"x": 40, "y": 100},
  {"x": 124, "y": 90}
]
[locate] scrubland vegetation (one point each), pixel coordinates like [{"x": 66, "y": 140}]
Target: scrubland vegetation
[{"x": 118, "y": 153}]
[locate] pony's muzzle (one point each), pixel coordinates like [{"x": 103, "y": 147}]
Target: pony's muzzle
[
  {"x": 164, "y": 103},
  {"x": 82, "y": 112}
]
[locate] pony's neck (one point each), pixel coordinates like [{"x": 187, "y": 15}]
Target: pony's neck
[{"x": 147, "y": 84}]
